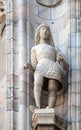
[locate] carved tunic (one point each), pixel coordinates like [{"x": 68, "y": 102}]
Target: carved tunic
[{"x": 43, "y": 59}]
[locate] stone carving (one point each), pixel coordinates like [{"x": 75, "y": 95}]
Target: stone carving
[
  {"x": 50, "y": 4},
  {"x": 48, "y": 64},
  {"x": 2, "y": 40},
  {"x": 2, "y": 18},
  {"x": 48, "y": 119}
]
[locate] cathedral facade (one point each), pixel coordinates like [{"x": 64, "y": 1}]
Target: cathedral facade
[{"x": 18, "y": 25}]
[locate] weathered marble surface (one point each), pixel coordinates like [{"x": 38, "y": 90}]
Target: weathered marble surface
[
  {"x": 3, "y": 80},
  {"x": 48, "y": 119},
  {"x": 59, "y": 23},
  {"x": 47, "y": 63}
]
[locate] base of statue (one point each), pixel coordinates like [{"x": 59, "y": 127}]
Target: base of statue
[{"x": 48, "y": 119}]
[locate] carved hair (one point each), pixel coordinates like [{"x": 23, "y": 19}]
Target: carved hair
[
  {"x": 2, "y": 7},
  {"x": 1, "y": 3},
  {"x": 37, "y": 35}
]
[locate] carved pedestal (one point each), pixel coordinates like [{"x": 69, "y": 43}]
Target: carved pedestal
[{"x": 47, "y": 119}]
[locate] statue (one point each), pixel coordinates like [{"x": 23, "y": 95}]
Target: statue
[
  {"x": 48, "y": 64},
  {"x": 2, "y": 18}
]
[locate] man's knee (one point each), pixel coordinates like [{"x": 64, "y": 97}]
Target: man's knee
[
  {"x": 38, "y": 80},
  {"x": 38, "y": 83}
]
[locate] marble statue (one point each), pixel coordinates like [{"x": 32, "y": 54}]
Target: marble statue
[
  {"x": 2, "y": 18},
  {"x": 47, "y": 63}
]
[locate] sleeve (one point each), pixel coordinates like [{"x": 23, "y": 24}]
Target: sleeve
[{"x": 33, "y": 57}]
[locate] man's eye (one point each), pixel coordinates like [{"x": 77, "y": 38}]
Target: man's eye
[{"x": 1, "y": 10}]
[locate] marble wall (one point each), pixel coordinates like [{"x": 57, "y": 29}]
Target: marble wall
[
  {"x": 23, "y": 16},
  {"x": 74, "y": 93}
]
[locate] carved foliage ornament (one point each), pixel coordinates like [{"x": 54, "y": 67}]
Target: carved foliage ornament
[{"x": 49, "y": 3}]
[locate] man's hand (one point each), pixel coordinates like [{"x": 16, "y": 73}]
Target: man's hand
[
  {"x": 28, "y": 66},
  {"x": 60, "y": 58},
  {"x": 62, "y": 62}
]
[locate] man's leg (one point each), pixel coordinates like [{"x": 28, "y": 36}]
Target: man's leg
[
  {"x": 38, "y": 84},
  {"x": 52, "y": 91}
]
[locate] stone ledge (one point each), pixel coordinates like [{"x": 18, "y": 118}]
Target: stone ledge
[{"x": 48, "y": 119}]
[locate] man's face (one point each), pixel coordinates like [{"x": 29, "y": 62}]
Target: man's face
[
  {"x": 2, "y": 13},
  {"x": 44, "y": 33}
]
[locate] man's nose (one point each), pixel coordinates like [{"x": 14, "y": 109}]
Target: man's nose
[{"x": 45, "y": 30}]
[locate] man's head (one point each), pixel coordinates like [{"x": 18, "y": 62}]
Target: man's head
[
  {"x": 2, "y": 12},
  {"x": 2, "y": 18},
  {"x": 43, "y": 32}
]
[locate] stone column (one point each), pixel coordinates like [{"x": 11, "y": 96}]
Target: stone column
[
  {"x": 12, "y": 70},
  {"x": 74, "y": 94},
  {"x": 9, "y": 65},
  {"x": 16, "y": 58},
  {"x": 20, "y": 22}
]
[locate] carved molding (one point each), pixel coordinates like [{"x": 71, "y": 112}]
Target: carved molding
[
  {"x": 47, "y": 4},
  {"x": 48, "y": 119}
]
